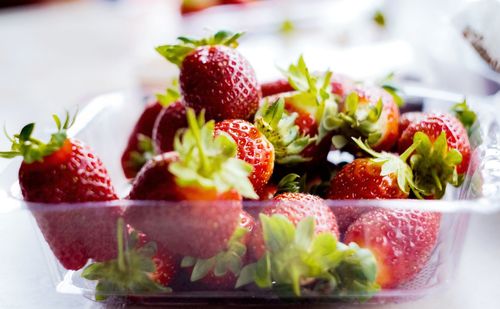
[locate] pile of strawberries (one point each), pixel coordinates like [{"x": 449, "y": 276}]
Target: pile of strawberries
[{"x": 201, "y": 154}]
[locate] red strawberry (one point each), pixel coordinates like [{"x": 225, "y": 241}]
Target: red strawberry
[
  {"x": 215, "y": 77},
  {"x": 219, "y": 272},
  {"x": 139, "y": 268},
  {"x": 206, "y": 176},
  {"x": 167, "y": 264},
  {"x": 342, "y": 85},
  {"x": 295, "y": 207},
  {"x": 443, "y": 154},
  {"x": 139, "y": 148},
  {"x": 408, "y": 118},
  {"x": 65, "y": 171},
  {"x": 432, "y": 125},
  {"x": 370, "y": 113},
  {"x": 275, "y": 87},
  {"x": 193, "y": 6},
  {"x": 401, "y": 240},
  {"x": 253, "y": 148},
  {"x": 384, "y": 177},
  {"x": 168, "y": 122}
]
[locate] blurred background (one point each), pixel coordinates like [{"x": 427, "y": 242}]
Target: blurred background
[{"x": 55, "y": 55}]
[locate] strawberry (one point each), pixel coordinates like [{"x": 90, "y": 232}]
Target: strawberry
[
  {"x": 169, "y": 121},
  {"x": 407, "y": 118},
  {"x": 220, "y": 271},
  {"x": 206, "y": 176},
  {"x": 275, "y": 87},
  {"x": 214, "y": 76},
  {"x": 253, "y": 148},
  {"x": 65, "y": 171},
  {"x": 296, "y": 256},
  {"x": 139, "y": 147},
  {"x": 139, "y": 268},
  {"x": 386, "y": 176},
  {"x": 443, "y": 154},
  {"x": 193, "y": 6},
  {"x": 298, "y": 123},
  {"x": 370, "y": 113},
  {"x": 401, "y": 240},
  {"x": 295, "y": 207}
]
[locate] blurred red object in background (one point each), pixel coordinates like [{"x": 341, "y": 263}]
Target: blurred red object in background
[{"x": 193, "y": 6}]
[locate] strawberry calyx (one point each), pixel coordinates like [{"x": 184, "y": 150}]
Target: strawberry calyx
[
  {"x": 466, "y": 116},
  {"x": 280, "y": 129},
  {"x": 434, "y": 165},
  {"x": 292, "y": 183},
  {"x": 145, "y": 152},
  {"x": 130, "y": 273},
  {"x": 34, "y": 150},
  {"x": 362, "y": 120},
  {"x": 228, "y": 260},
  {"x": 177, "y": 52},
  {"x": 387, "y": 83},
  {"x": 393, "y": 164},
  {"x": 295, "y": 257},
  {"x": 171, "y": 94},
  {"x": 313, "y": 94},
  {"x": 209, "y": 161}
]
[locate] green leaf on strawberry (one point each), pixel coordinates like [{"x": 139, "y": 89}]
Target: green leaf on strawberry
[
  {"x": 34, "y": 150},
  {"x": 130, "y": 273},
  {"x": 313, "y": 94},
  {"x": 295, "y": 257},
  {"x": 359, "y": 119},
  {"x": 393, "y": 164},
  {"x": 171, "y": 95},
  {"x": 434, "y": 165},
  {"x": 280, "y": 129},
  {"x": 227, "y": 260},
  {"x": 145, "y": 151},
  {"x": 466, "y": 116},
  {"x": 177, "y": 52},
  {"x": 209, "y": 162}
]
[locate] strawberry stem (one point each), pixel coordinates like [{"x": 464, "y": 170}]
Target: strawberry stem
[
  {"x": 367, "y": 149},
  {"x": 119, "y": 238},
  {"x": 195, "y": 129},
  {"x": 405, "y": 155}
]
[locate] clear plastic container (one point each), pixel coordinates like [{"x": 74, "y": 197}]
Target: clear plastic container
[{"x": 104, "y": 124}]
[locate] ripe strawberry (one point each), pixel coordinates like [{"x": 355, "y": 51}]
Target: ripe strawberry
[
  {"x": 443, "y": 155},
  {"x": 275, "y": 87},
  {"x": 219, "y": 272},
  {"x": 139, "y": 148},
  {"x": 401, "y": 240},
  {"x": 432, "y": 125},
  {"x": 295, "y": 207},
  {"x": 140, "y": 267},
  {"x": 384, "y": 177},
  {"x": 168, "y": 122},
  {"x": 297, "y": 256},
  {"x": 203, "y": 173},
  {"x": 370, "y": 113},
  {"x": 167, "y": 264},
  {"x": 64, "y": 171},
  {"x": 408, "y": 118},
  {"x": 253, "y": 148},
  {"x": 215, "y": 77},
  {"x": 298, "y": 123}
]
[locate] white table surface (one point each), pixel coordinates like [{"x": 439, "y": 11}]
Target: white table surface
[{"x": 55, "y": 57}]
